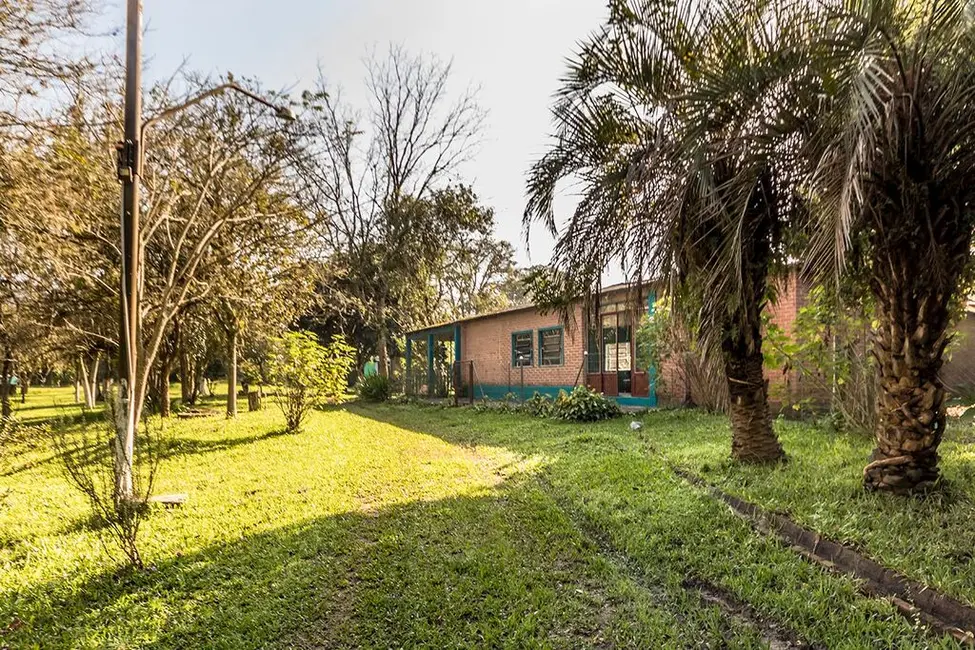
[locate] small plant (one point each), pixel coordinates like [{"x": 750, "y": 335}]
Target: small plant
[
  {"x": 375, "y": 388},
  {"x": 584, "y": 405},
  {"x": 309, "y": 374},
  {"x": 88, "y": 459},
  {"x": 539, "y": 406}
]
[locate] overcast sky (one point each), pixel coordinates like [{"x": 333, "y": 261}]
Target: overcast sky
[{"x": 514, "y": 50}]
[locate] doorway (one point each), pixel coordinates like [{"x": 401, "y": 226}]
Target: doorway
[{"x": 609, "y": 354}]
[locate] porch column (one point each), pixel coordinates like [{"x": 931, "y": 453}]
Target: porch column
[
  {"x": 455, "y": 372},
  {"x": 430, "y": 364},
  {"x": 408, "y": 375}
]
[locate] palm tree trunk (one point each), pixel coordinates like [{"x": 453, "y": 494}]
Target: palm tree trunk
[
  {"x": 908, "y": 345},
  {"x": 752, "y": 436}
]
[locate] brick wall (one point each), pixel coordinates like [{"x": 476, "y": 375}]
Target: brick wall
[
  {"x": 791, "y": 295},
  {"x": 958, "y": 374},
  {"x": 487, "y": 341}
]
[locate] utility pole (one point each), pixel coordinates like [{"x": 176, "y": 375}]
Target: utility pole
[
  {"x": 128, "y": 408},
  {"x": 130, "y": 158}
]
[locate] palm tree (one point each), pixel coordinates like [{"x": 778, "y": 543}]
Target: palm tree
[
  {"x": 896, "y": 166},
  {"x": 673, "y": 121}
]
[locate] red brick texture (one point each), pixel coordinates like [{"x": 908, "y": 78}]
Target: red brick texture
[{"x": 487, "y": 341}]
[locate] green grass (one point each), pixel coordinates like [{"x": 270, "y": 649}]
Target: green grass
[
  {"x": 395, "y": 526},
  {"x": 929, "y": 539}
]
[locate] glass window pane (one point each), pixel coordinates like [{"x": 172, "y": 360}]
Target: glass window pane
[
  {"x": 593, "y": 358},
  {"x": 550, "y": 342},
  {"x": 521, "y": 349}
]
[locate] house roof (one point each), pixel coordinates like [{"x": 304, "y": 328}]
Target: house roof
[{"x": 511, "y": 310}]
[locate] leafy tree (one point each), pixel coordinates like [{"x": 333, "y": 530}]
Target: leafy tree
[
  {"x": 478, "y": 273},
  {"x": 375, "y": 178},
  {"x": 308, "y": 374}
]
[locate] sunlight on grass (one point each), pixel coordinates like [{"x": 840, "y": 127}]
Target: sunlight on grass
[
  {"x": 245, "y": 480},
  {"x": 393, "y": 526}
]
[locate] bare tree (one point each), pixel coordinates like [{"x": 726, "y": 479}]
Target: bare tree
[{"x": 364, "y": 174}]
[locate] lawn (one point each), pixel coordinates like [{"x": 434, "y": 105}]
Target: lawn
[{"x": 405, "y": 526}]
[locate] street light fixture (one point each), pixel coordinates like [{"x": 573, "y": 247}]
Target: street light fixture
[{"x": 129, "y": 170}]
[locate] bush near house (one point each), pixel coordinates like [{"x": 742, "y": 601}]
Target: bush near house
[
  {"x": 584, "y": 405},
  {"x": 375, "y": 388}
]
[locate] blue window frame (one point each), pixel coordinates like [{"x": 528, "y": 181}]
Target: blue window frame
[
  {"x": 522, "y": 352},
  {"x": 551, "y": 348}
]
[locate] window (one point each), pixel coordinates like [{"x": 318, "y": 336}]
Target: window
[
  {"x": 550, "y": 346},
  {"x": 593, "y": 358},
  {"x": 521, "y": 349}
]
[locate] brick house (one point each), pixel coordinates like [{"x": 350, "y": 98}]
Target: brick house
[{"x": 522, "y": 351}]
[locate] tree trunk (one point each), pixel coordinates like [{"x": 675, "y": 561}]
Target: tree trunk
[
  {"x": 752, "y": 436},
  {"x": 381, "y": 338},
  {"x": 24, "y": 387},
  {"x": 165, "y": 400},
  {"x": 6, "y": 410},
  {"x": 93, "y": 378},
  {"x": 232, "y": 373},
  {"x": 185, "y": 377},
  {"x": 86, "y": 384},
  {"x": 908, "y": 345},
  {"x": 162, "y": 386}
]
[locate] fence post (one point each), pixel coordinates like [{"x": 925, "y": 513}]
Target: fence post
[
  {"x": 455, "y": 371},
  {"x": 522, "y": 382},
  {"x": 471, "y": 382}
]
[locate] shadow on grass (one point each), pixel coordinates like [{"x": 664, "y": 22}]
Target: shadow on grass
[
  {"x": 498, "y": 569},
  {"x": 172, "y": 446},
  {"x": 178, "y": 446}
]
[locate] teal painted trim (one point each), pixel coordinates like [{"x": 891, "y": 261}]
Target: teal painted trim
[
  {"x": 498, "y": 392},
  {"x": 531, "y": 357},
  {"x": 457, "y": 356},
  {"x": 561, "y": 332},
  {"x": 430, "y": 344},
  {"x": 642, "y": 402}
]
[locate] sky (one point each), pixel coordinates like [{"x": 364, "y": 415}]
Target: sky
[{"x": 513, "y": 50}]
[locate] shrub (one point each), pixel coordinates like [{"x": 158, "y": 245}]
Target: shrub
[
  {"x": 89, "y": 464},
  {"x": 375, "y": 388},
  {"x": 584, "y": 405},
  {"x": 539, "y": 406},
  {"x": 308, "y": 373}
]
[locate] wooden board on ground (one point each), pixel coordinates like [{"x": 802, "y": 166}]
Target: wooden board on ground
[{"x": 170, "y": 500}]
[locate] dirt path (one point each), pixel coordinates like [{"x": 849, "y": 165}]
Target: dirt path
[{"x": 775, "y": 635}]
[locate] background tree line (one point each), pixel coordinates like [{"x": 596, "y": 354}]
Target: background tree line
[{"x": 349, "y": 221}]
